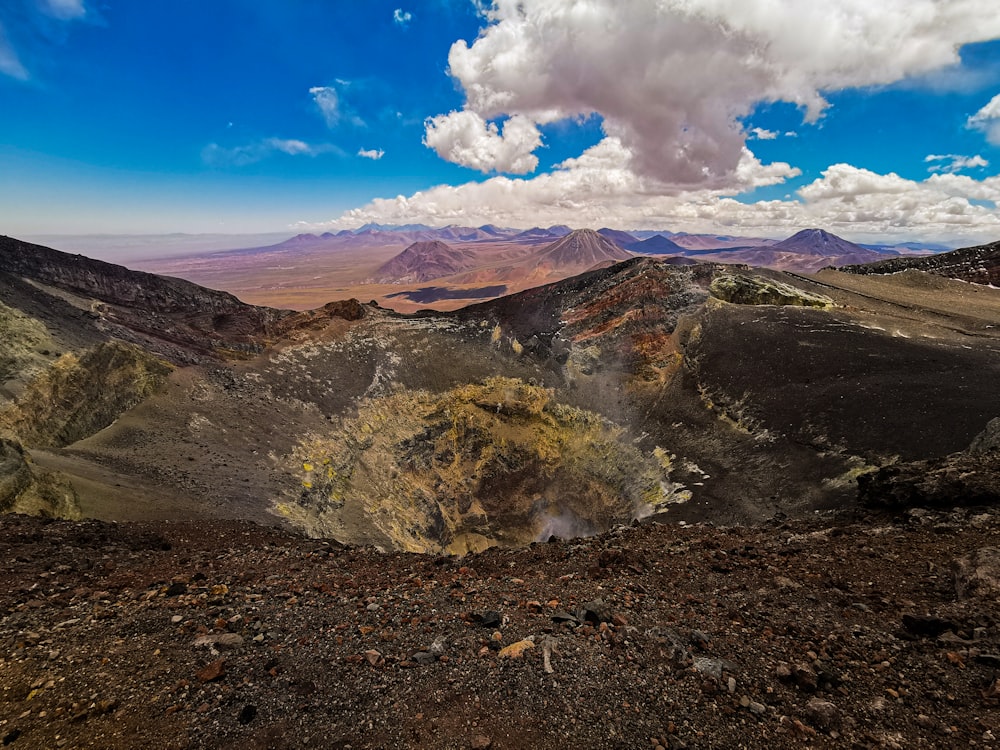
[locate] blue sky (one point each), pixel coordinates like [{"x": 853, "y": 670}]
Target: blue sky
[{"x": 749, "y": 116}]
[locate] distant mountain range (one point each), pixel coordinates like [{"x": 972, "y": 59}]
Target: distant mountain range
[
  {"x": 584, "y": 249},
  {"x": 578, "y": 251},
  {"x": 374, "y": 261},
  {"x": 805, "y": 252},
  {"x": 810, "y": 242}
]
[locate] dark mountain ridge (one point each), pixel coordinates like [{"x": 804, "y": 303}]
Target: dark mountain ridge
[
  {"x": 656, "y": 245},
  {"x": 979, "y": 264},
  {"x": 186, "y": 319}
]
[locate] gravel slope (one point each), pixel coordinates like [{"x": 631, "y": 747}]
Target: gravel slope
[{"x": 836, "y": 632}]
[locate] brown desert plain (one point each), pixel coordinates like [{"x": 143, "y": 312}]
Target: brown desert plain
[{"x": 307, "y": 277}]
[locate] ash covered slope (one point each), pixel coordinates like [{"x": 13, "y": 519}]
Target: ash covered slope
[
  {"x": 173, "y": 317},
  {"x": 84, "y": 342},
  {"x": 980, "y": 265}
]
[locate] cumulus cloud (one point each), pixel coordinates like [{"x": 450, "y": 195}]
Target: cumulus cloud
[
  {"x": 239, "y": 156},
  {"x": 466, "y": 138},
  {"x": 987, "y": 120},
  {"x": 402, "y": 17},
  {"x": 954, "y": 162},
  {"x": 673, "y": 79},
  {"x": 594, "y": 188},
  {"x": 672, "y": 83},
  {"x": 599, "y": 189},
  {"x": 373, "y": 154}
]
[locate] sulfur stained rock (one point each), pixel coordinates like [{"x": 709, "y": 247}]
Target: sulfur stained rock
[
  {"x": 80, "y": 395},
  {"x": 485, "y": 463},
  {"x": 516, "y": 650},
  {"x": 752, "y": 290}
]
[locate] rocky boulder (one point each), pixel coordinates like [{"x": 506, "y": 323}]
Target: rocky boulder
[
  {"x": 23, "y": 489},
  {"x": 970, "y": 477},
  {"x": 977, "y": 574},
  {"x": 755, "y": 290}
]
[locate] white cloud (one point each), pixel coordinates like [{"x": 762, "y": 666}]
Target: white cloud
[
  {"x": 65, "y": 10},
  {"x": 239, "y": 156},
  {"x": 401, "y": 17},
  {"x": 599, "y": 189},
  {"x": 373, "y": 154},
  {"x": 595, "y": 188},
  {"x": 987, "y": 120},
  {"x": 467, "y": 139},
  {"x": 760, "y": 134},
  {"x": 672, "y": 79},
  {"x": 954, "y": 162},
  {"x": 10, "y": 63},
  {"x": 328, "y": 101}
]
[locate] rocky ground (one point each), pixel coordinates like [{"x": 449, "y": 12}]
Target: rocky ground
[{"x": 873, "y": 631}]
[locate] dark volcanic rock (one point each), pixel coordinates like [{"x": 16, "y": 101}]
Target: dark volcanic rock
[
  {"x": 980, "y": 264},
  {"x": 112, "y": 283},
  {"x": 173, "y": 317},
  {"x": 977, "y": 574},
  {"x": 958, "y": 479},
  {"x": 100, "y": 656},
  {"x": 970, "y": 477},
  {"x": 987, "y": 441},
  {"x": 927, "y": 625}
]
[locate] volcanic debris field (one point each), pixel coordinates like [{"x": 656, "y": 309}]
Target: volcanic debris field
[{"x": 876, "y": 631}]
